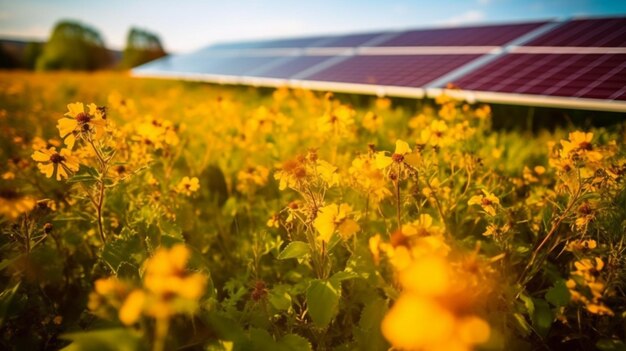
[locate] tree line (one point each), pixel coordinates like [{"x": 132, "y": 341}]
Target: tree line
[{"x": 76, "y": 46}]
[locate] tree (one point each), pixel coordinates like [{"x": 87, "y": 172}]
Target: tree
[
  {"x": 74, "y": 46},
  {"x": 32, "y": 51},
  {"x": 141, "y": 47}
]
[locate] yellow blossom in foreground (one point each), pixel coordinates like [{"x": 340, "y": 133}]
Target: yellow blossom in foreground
[
  {"x": 51, "y": 161},
  {"x": 187, "y": 186},
  {"x": 132, "y": 307},
  {"x": 79, "y": 122},
  {"x": 335, "y": 217},
  {"x": 487, "y": 201},
  {"x": 168, "y": 288}
]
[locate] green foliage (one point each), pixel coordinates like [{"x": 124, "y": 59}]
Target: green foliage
[
  {"x": 117, "y": 339},
  {"x": 322, "y": 297},
  {"x": 141, "y": 46},
  {"x": 73, "y": 46},
  {"x": 31, "y": 54}
]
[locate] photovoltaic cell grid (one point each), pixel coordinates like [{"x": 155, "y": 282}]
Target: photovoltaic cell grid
[
  {"x": 291, "y": 67},
  {"x": 584, "y": 76},
  {"x": 607, "y": 32},
  {"x": 404, "y": 70},
  {"x": 494, "y": 35},
  {"x": 222, "y": 65},
  {"x": 598, "y": 74}
]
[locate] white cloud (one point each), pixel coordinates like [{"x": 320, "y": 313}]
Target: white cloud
[{"x": 470, "y": 16}]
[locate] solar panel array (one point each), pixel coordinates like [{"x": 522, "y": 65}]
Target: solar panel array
[{"x": 578, "y": 63}]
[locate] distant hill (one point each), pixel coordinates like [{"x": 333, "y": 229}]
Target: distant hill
[{"x": 12, "y": 52}]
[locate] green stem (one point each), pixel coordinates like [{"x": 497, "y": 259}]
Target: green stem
[{"x": 162, "y": 325}]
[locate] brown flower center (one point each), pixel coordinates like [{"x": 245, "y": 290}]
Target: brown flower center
[
  {"x": 56, "y": 158},
  {"x": 83, "y": 118},
  {"x": 397, "y": 158},
  {"x": 585, "y": 145}
]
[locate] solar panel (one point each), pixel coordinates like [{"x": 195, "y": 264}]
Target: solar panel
[
  {"x": 492, "y": 35},
  {"x": 580, "y": 62},
  {"x": 402, "y": 70},
  {"x": 606, "y": 32},
  {"x": 223, "y": 65},
  {"x": 291, "y": 67},
  {"x": 585, "y": 76}
]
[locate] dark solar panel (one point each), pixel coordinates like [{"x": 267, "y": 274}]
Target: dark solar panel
[
  {"x": 607, "y": 32},
  {"x": 268, "y": 44},
  {"x": 598, "y": 76},
  {"x": 291, "y": 67},
  {"x": 463, "y": 36},
  {"x": 403, "y": 70}
]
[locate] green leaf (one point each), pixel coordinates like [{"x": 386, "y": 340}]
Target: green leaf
[
  {"x": 295, "y": 342},
  {"x": 322, "y": 298},
  {"x": 279, "y": 298},
  {"x": 261, "y": 340},
  {"x": 528, "y": 303},
  {"x": 610, "y": 345},
  {"x": 84, "y": 174},
  {"x": 295, "y": 249},
  {"x": 122, "y": 250},
  {"x": 5, "y": 301},
  {"x": 522, "y": 324},
  {"x": 343, "y": 275},
  {"x": 109, "y": 339},
  {"x": 543, "y": 317},
  {"x": 558, "y": 295}
]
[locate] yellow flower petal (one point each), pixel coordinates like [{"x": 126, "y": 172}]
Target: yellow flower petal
[
  {"x": 382, "y": 161},
  {"x": 66, "y": 126},
  {"x": 402, "y": 147},
  {"x": 75, "y": 108},
  {"x": 132, "y": 307}
]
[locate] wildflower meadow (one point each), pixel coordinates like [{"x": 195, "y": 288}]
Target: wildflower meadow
[{"x": 140, "y": 214}]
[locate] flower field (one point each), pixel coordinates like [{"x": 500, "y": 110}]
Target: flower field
[{"x": 142, "y": 214}]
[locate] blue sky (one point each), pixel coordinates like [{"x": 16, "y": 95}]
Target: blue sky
[{"x": 185, "y": 25}]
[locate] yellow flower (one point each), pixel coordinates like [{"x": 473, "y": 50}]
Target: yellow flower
[
  {"x": 436, "y": 134},
  {"x": 249, "y": 179},
  {"x": 487, "y": 201},
  {"x": 12, "y": 205},
  {"x": 274, "y": 221},
  {"x": 579, "y": 146},
  {"x": 291, "y": 174},
  {"x": 327, "y": 172},
  {"x": 336, "y": 121},
  {"x": 335, "y": 217},
  {"x": 79, "y": 122},
  {"x": 418, "y": 323},
  {"x": 187, "y": 186},
  {"x": 372, "y": 122},
  {"x": 427, "y": 276},
  {"x": 383, "y": 161},
  {"x": 131, "y": 309},
  {"x": 51, "y": 161},
  {"x": 369, "y": 179}
]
